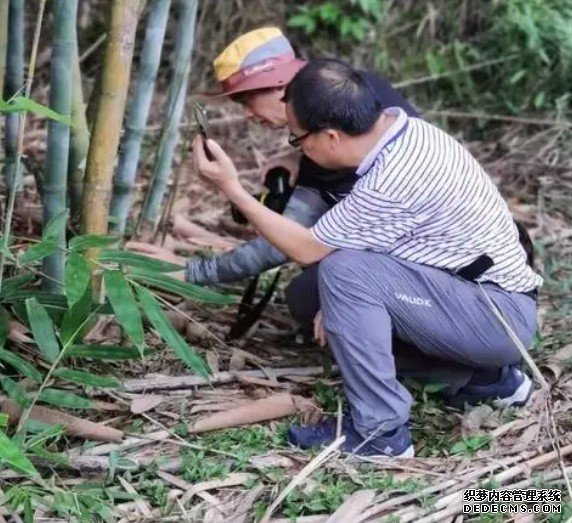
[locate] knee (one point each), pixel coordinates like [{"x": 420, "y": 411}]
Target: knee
[{"x": 301, "y": 297}]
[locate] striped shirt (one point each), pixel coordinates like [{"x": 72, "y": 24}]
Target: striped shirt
[{"x": 421, "y": 196}]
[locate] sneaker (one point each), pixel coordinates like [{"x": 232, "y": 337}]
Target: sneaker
[
  {"x": 513, "y": 389},
  {"x": 396, "y": 443}
]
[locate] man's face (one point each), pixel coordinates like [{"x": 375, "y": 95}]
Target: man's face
[
  {"x": 323, "y": 147},
  {"x": 264, "y": 106}
]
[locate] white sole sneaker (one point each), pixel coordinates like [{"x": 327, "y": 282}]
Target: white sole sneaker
[{"x": 519, "y": 397}]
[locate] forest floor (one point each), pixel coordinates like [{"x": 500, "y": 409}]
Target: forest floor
[{"x": 163, "y": 471}]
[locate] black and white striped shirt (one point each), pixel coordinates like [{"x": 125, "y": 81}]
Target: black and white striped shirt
[{"x": 421, "y": 196}]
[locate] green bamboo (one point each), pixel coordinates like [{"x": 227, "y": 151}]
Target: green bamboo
[
  {"x": 109, "y": 116},
  {"x": 13, "y": 82},
  {"x": 3, "y": 42},
  {"x": 174, "y": 112},
  {"x": 7, "y": 230},
  {"x": 79, "y": 140},
  {"x": 55, "y": 179},
  {"x": 138, "y": 113}
]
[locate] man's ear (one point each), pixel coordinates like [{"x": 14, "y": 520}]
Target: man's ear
[{"x": 333, "y": 137}]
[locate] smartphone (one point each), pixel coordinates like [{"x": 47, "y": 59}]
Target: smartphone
[{"x": 201, "y": 119}]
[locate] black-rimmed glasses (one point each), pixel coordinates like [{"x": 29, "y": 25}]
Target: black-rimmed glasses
[{"x": 295, "y": 141}]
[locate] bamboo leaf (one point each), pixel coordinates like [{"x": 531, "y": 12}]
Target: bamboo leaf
[
  {"x": 19, "y": 104},
  {"x": 126, "y": 309},
  {"x": 75, "y": 321},
  {"x": 136, "y": 260},
  {"x": 4, "y": 326},
  {"x": 38, "y": 251},
  {"x": 14, "y": 391},
  {"x": 181, "y": 288},
  {"x": 10, "y": 285},
  {"x": 21, "y": 365},
  {"x": 77, "y": 277},
  {"x": 166, "y": 330},
  {"x": 42, "y": 329},
  {"x": 11, "y": 454},
  {"x": 87, "y": 378},
  {"x": 52, "y": 230},
  {"x": 61, "y": 398},
  {"x": 91, "y": 241},
  {"x": 104, "y": 352}
]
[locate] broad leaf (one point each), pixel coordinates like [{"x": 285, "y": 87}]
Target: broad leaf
[
  {"x": 77, "y": 277},
  {"x": 104, "y": 352},
  {"x": 4, "y": 326},
  {"x": 10, "y": 285},
  {"x": 38, "y": 251},
  {"x": 136, "y": 260},
  {"x": 75, "y": 323},
  {"x": 11, "y": 454},
  {"x": 166, "y": 330},
  {"x": 14, "y": 391},
  {"x": 87, "y": 378},
  {"x": 62, "y": 398},
  {"x": 21, "y": 365},
  {"x": 181, "y": 288},
  {"x": 43, "y": 329},
  {"x": 125, "y": 307},
  {"x": 57, "y": 224},
  {"x": 91, "y": 241},
  {"x": 19, "y": 104}
]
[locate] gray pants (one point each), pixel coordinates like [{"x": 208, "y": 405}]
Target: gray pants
[{"x": 386, "y": 317}]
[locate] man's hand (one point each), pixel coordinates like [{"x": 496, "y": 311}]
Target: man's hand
[
  {"x": 319, "y": 332},
  {"x": 220, "y": 171},
  {"x": 155, "y": 251}
]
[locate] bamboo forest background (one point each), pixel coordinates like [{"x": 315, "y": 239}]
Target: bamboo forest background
[{"x": 95, "y": 126}]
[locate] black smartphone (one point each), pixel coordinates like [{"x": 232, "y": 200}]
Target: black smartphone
[{"x": 202, "y": 124}]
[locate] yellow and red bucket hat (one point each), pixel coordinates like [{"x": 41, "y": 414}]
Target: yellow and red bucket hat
[{"x": 260, "y": 59}]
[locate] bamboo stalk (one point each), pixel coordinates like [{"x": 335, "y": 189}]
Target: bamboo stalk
[
  {"x": 13, "y": 82},
  {"x": 3, "y": 42},
  {"x": 174, "y": 112},
  {"x": 55, "y": 180},
  {"x": 124, "y": 179},
  {"x": 109, "y": 117},
  {"x": 7, "y": 229},
  {"x": 79, "y": 140}
]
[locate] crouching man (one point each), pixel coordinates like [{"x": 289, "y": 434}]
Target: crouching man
[{"x": 407, "y": 261}]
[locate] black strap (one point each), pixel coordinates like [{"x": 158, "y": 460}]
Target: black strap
[
  {"x": 476, "y": 268},
  {"x": 248, "y": 312}
]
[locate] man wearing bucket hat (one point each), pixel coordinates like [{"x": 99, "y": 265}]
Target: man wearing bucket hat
[{"x": 254, "y": 71}]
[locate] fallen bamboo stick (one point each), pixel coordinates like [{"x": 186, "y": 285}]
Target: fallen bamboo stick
[
  {"x": 180, "y": 382},
  {"x": 73, "y": 425}
]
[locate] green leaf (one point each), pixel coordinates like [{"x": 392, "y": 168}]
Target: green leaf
[
  {"x": 91, "y": 241},
  {"x": 61, "y": 398},
  {"x": 10, "y": 285},
  {"x": 4, "y": 326},
  {"x": 166, "y": 330},
  {"x": 303, "y": 21},
  {"x": 38, "y": 251},
  {"x": 11, "y": 454},
  {"x": 21, "y": 365},
  {"x": 104, "y": 352},
  {"x": 14, "y": 390},
  {"x": 21, "y": 103},
  {"x": 182, "y": 288},
  {"x": 126, "y": 309},
  {"x": 77, "y": 277},
  {"x": 133, "y": 259},
  {"x": 57, "y": 224},
  {"x": 75, "y": 321},
  {"x": 87, "y": 378},
  {"x": 42, "y": 329}
]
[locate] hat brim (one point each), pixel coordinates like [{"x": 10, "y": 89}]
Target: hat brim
[{"x": 277, "y": 77}]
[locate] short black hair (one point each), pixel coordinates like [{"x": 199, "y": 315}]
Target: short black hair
[{"x": 331, "y": 94}]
